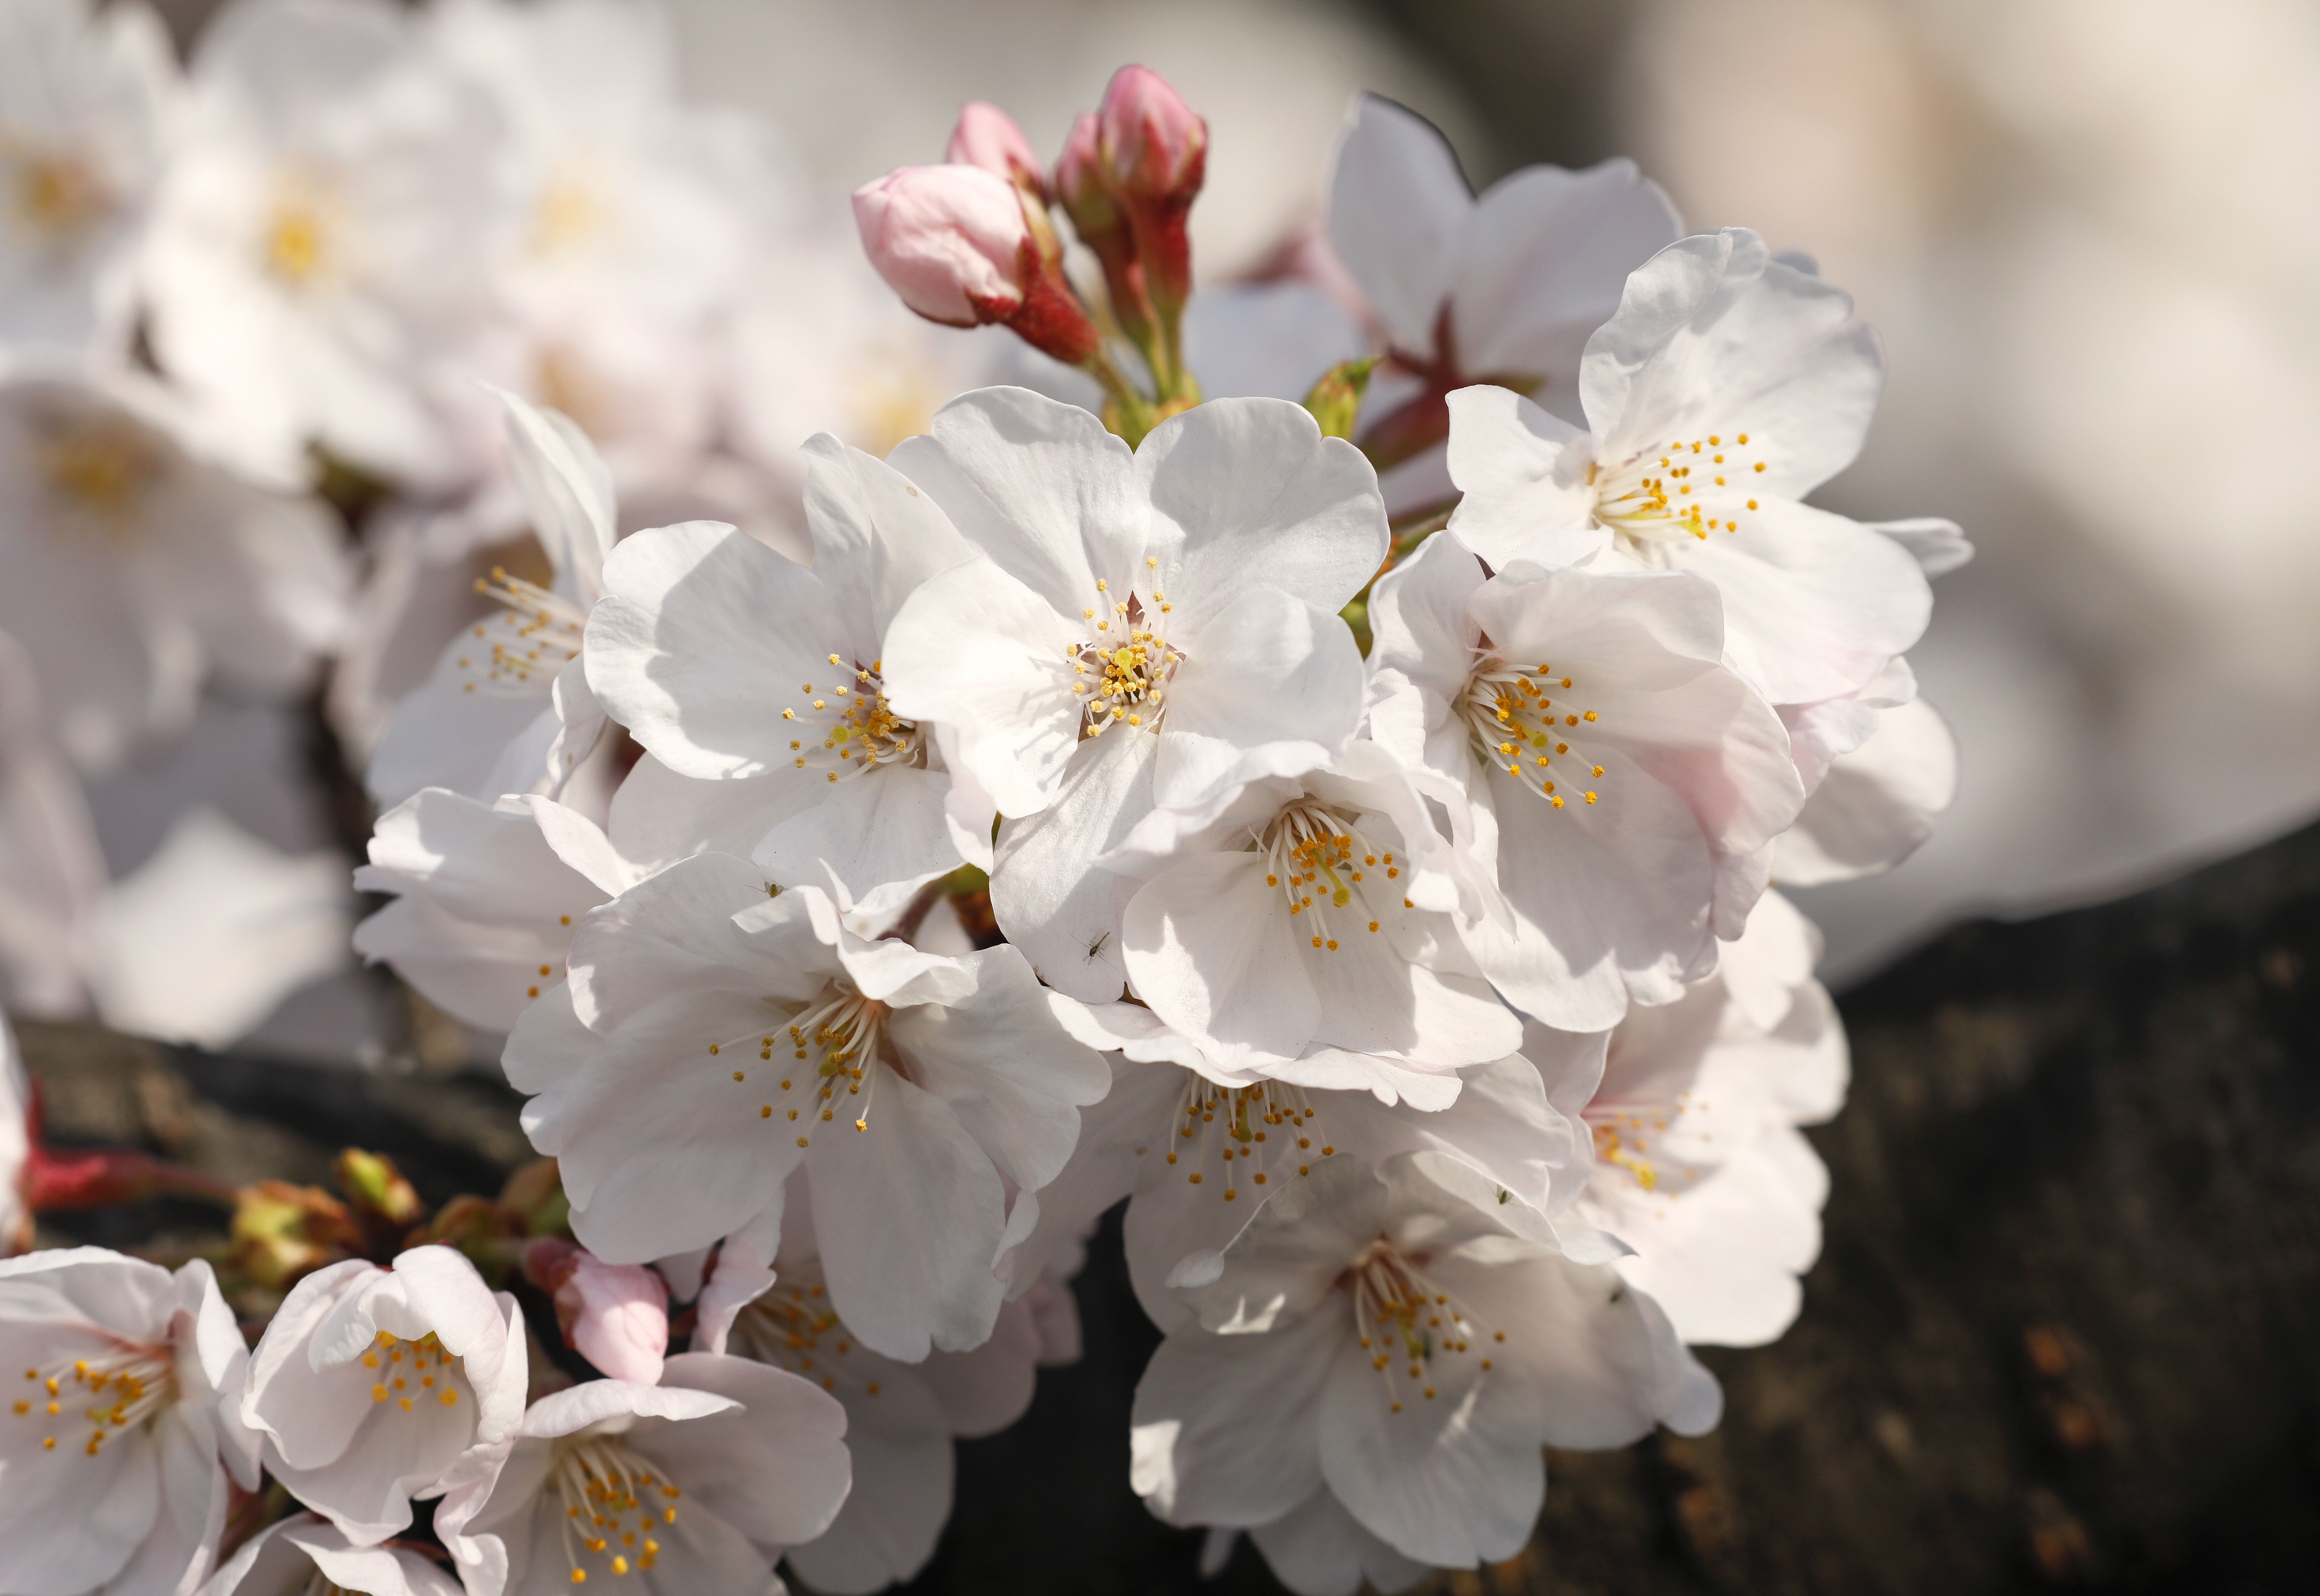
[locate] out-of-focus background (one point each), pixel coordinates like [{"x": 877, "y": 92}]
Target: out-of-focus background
[{"x": 2084, "y": 229}]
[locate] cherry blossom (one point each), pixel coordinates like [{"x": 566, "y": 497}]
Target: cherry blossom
[
  {"x": 1625, "y": 785},
  {"x": 1727, "y": 387},
  {"x": 701, "y": 1480},
  {"x": 375, "y": 1385},
  {"x": 908, "y": 1087},
  {"x": 52, "y": 875},
  {"x": 709, "y": 647},
  {"x": 16, "y": 1144},
  {"x": 85, "y": 103},
  {"x": 113, "y": 1460},
  {"x": 1395, "y": 1337},
  {"x": 1187, "y": 589},
  {"x": 132, "y": 564}
]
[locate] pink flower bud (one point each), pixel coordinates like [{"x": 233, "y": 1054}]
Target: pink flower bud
[
  {"x": 615, "y": 1315},
  {"x": 987, "y": 137},
  {"x": 950, "y": 240},
  {"x": 1156, "y": 149},
  {"x": 1081, "y": 183}
]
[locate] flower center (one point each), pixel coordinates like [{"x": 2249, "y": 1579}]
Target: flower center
[
  {"x": 840, "y": 1039},
  {"x": 568, "y": 214},
  {"x": 1512, "y": 714},
  {"x": 1689, "y": 489},
  {"x": 859, "y": 730},
  {"x": 297, "y": 248},
  {"x": 1628, "y": 1129},
  {"x": 101, "y": 1396},
  {"x": 1269, "y": 1123},
  {"x": 100, "y": 472},
  {"x": 603, "y": 1485},
  {"x": 792, "y": 1326},
  {"x": 1310, "y": 846},
  {"x": 1122, "y": 673},
  {"x": 1406, "y": 1322},
  {"x": 535, "y": 633},
  {"x": 56, "y": 192},
  {"x": 407, "y": 1373}
]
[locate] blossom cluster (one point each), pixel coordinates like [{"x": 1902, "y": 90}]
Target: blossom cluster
[{"x": 1313, "y": 767}]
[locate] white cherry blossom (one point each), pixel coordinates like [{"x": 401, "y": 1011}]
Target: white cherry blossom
[
  {"x": 908, "y": 1087},
  {"x": 773, "y": 1306},
  {"x": 304, "y": 1555},
  {"x": 1876, "y": 802},
  {"x": 375, "y": 1385},
  {"x": 507, "y": 708},
  {"x": 731, "y": 662},
  {"x": 1312, "y": 928},
  {"x": 16, "y": 1144},
  {"x": 113, "y": 1459},
  {"x": 85, "y": 97},
  {"x": 1187, "y": 589},
  {"x": 1504, "y": 289},
  {"x": 52, "y": 874},
  {"x": 1394, "y": 1336},
  {"x": 133, "y": 565},
  {"x": 1196, "y": 1149},
  {"x": 1729, "y": 387},
  {"x": 1699, "y": 1166},
  {"x": 487, "y": 898},
  {"x": 1625, "y": 785},
  {"x": 322, "y": 234},
  {"x": 694, "y": 1485}
]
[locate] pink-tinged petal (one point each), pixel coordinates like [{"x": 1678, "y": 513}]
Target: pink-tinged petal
[
  {"x": 617, "y": 1318},
  {"x": 1248, "y": 491},
  {"x": 1877, "y": 804},
  {"x": 1814, "y": 604},
  {"x": 1224, "y": 1427},
  {"x": 1008, "y": 1070},
  {"x": 1216, "y": 954},
  {"x": 1722, "y": 1257},
  {"x": 744, "y": 1272},
  {"x": 1581, "y": 1366},
  {"x": 1525, "y": 476},
  {"x": 1039, "y": 485},
  {"x": 1274, "y": 686},
  {"x": 987, "y": 137},
  {"x": 1319, "y": 1549},
  {"x": 1002, "y": 687},
  {"x": 704, "y": 637},
  {"x": 1054, "y": 902},
  {"x": 775, "y": 1467},
  {"x": 908, "y": 1214},
  {"x": 1712, "y": 336},
  {"x": 950, "y": 240},
  {"x": 1398, "y": 205},
  {"x": 1541, "y": 265},
  {"x": 886, "y": 1531},
  {"x": 1452, "y": 1481}
]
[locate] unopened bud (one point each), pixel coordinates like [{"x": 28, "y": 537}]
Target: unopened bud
[
  {"x": 282, "y": 1232},
  {"x": 950, "y": 240},
  {"x": 534, "y": 1197},
  {"x": 988, "y": 138},
  {"x": 1336, "y": 399},
  {"x": 615, "y": 1315},
  {"x": 953, "y": 241},
  {"x": 378, "y": 1189},
  {"x": 1156, "y": 149}
]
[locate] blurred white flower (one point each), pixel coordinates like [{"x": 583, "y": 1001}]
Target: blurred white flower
[
  {"x": 132, "y": 567},
  {"x": 86, "y": 104},
  {"x": 202, "y": 941},
  {"x": 51, "y": 873},
  {"x": 1395, "y": 1337},
  {"x": 16, "y": 1144},
  {"x": 1538, "y": 692},
  {"x": 1699, "y": 1166},
  {"x": 113, "y": 1455},
  {"x": 372, "y": 1386},
  {"x": 910, "y": 1087},
  {"x": 708, "y": 647},
  {"x": 323, "y": 233},
  {"x": 700, "y": 1480},
  {"x": 303, "y": 1553}
]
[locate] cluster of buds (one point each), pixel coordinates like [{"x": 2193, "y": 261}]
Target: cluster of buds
[{"x": 975, "y": 240}]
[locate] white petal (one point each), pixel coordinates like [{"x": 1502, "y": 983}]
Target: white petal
[
  {"x": 1397, "y": 204},
  {"x": 1056, "y": 905},
  {"x": 1525, "y": 476},
  {"x": 1319, "y": 1549},
  {"x": 1224, "y": 1424},
  {"x": 876, "y": 535},
  {"x": 1274, "y": 686}
]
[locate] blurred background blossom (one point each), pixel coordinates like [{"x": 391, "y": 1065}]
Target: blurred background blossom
[{"x": 2084, "y": 230}]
